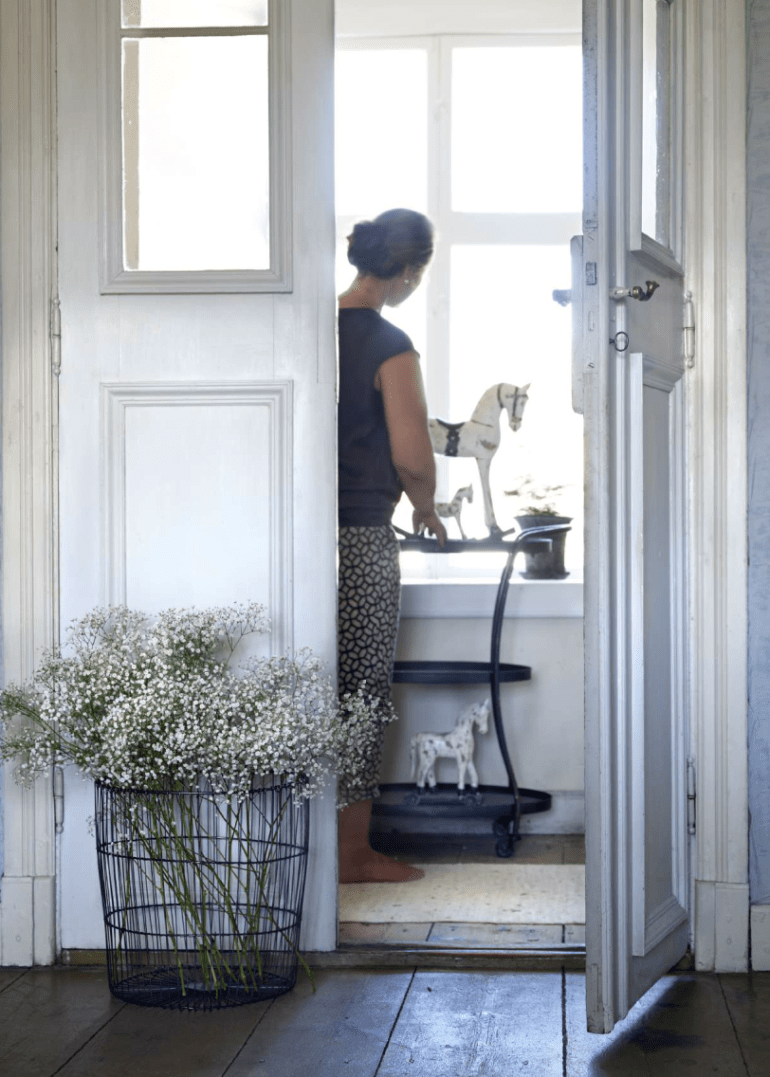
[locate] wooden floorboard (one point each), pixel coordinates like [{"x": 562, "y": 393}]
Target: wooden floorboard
[
  {"x": 461, "y": 959},
  {"x": 748, "y": 1001},
  {"x": 388, "y": 1023},
  {"x": 354, "y": 933},
  {"x": 9, "y": 976},
  {"x": 47, "y": 1015},
  {"x": 340, "y": 1031},
  {"x": 681, "y": 1026},
  {"x": 497, "y": 1024},
  {"x": 492, "y": 936},
  {"x": 146, "y": 1042}
]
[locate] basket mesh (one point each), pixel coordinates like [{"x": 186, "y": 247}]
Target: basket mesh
[{"x": 202, "y": 894}]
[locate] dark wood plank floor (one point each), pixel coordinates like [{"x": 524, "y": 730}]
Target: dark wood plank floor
[{"x": 62, "y": 1022}]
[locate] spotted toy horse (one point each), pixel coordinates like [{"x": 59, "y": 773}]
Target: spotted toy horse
[{"x": 426, "y": 748}]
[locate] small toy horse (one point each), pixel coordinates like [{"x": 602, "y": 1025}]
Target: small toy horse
[
  {"x": 454, "y": 507},
  {"x": 479, "y": 436},
  {"x": 426, "y": 748}
]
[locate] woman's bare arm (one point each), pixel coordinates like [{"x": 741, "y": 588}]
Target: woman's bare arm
[{"x": 406, "y": 414}]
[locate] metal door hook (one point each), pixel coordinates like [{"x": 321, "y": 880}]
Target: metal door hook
[{"x": 635, "y": 291}]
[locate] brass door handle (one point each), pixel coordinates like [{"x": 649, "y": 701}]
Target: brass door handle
[{"x": 635, "y": 291}]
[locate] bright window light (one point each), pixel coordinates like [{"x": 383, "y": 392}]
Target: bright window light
[
  {"x": 382, "y": 130},
  {"x": 516, "y": 129},
  {"x": 505, "y": 327},
  {"x": 381, "y": 154}
]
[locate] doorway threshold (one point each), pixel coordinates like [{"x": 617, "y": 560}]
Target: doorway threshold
[{"x": 569, "y": 957}]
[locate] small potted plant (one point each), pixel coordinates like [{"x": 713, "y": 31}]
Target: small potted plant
[
  {"x": 203, "y": 769},
  {"x": 537, "y": 508}
]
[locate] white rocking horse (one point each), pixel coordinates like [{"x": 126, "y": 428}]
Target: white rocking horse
[
  {"x": 479, "y": 436},
  {"x": 426, "y": 748},
  {"x": 454, "y": 507}
]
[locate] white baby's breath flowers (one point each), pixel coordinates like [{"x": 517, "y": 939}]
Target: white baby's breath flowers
[{"x": 137, "y": 703}]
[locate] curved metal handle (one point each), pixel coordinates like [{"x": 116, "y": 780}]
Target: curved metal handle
[{"x": 635, "y": 291}]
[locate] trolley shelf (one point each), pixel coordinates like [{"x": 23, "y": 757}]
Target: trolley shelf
[{"x": 504, "y": 804}]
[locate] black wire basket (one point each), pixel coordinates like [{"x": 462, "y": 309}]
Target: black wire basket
[{"x": 202, "y": 893}]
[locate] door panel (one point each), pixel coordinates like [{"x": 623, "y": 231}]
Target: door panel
[
  {"x": 197, "y": 453},
  {"x": 632, "y": 387}
]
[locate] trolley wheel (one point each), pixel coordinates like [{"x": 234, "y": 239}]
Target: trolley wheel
[
  {"x": 500, "y": 827},
  {"x": 504, "y": 848}
]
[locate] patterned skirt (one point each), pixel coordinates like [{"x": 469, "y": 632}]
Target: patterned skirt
[{"x": 369, "y": 595}]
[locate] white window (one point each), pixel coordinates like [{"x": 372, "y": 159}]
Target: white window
[
  {"x": 484, "y": 134},
  {"x": 195, "y": 183}
]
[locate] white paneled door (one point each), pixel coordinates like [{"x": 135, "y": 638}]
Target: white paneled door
[
  {"x": 630, "y": 372},
  {"x": 197, "y": 381}
]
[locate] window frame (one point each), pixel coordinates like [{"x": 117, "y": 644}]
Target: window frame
[
  {"x": 639, "y": 242},
  {"x": 114, "y": 278}
]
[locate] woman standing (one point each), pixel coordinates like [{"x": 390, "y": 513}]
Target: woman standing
[{"x": 384, "y": 449}]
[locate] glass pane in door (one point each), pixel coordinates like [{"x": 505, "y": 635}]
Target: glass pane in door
[
  {"x": 196, "y": 153},
  {"x": 178, "y": 13},
  {"x": 656, "y": 120}
]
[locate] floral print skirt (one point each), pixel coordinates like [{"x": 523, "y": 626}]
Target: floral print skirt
[{"x": 369, "y": 596}]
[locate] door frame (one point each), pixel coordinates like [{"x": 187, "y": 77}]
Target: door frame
[
  {"x": 715, "y": 261},
  {"x": 716, "y": 433}
]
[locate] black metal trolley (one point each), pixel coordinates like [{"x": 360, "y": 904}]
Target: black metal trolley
[{"x": 504, "y": 805}]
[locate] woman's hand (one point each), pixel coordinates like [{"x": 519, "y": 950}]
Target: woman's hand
[
  {"x": 429, "y": 521},
  {"x": 406, "y": 416}
]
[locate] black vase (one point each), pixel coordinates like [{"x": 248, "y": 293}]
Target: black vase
[{"x": 548, "y": 565}]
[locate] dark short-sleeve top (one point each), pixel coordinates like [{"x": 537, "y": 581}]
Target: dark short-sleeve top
[{"x": 369, "y": 486}]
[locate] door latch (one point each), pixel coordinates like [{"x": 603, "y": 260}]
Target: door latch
[{"x": 635, "y": 291}]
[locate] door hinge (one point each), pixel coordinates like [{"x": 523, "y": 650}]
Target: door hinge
[
  {"x": 55, "y": 334},
  {"x": 691, "y": 796},
  {"x": 689, "y": 330},
  {"x": 58, "y": 799}
]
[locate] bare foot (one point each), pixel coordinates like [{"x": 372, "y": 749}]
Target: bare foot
[{"x": 367, "y": 866}]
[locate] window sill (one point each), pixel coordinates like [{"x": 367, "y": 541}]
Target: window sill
[{"x": 476, "y": 598}]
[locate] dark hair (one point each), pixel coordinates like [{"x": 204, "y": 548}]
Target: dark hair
[{"x": 396, "y": 239}]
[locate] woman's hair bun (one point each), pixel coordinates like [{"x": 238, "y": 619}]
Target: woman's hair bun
[
  {"x": 385, "y": 246},
  {"x": 367, "y": 249}
]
